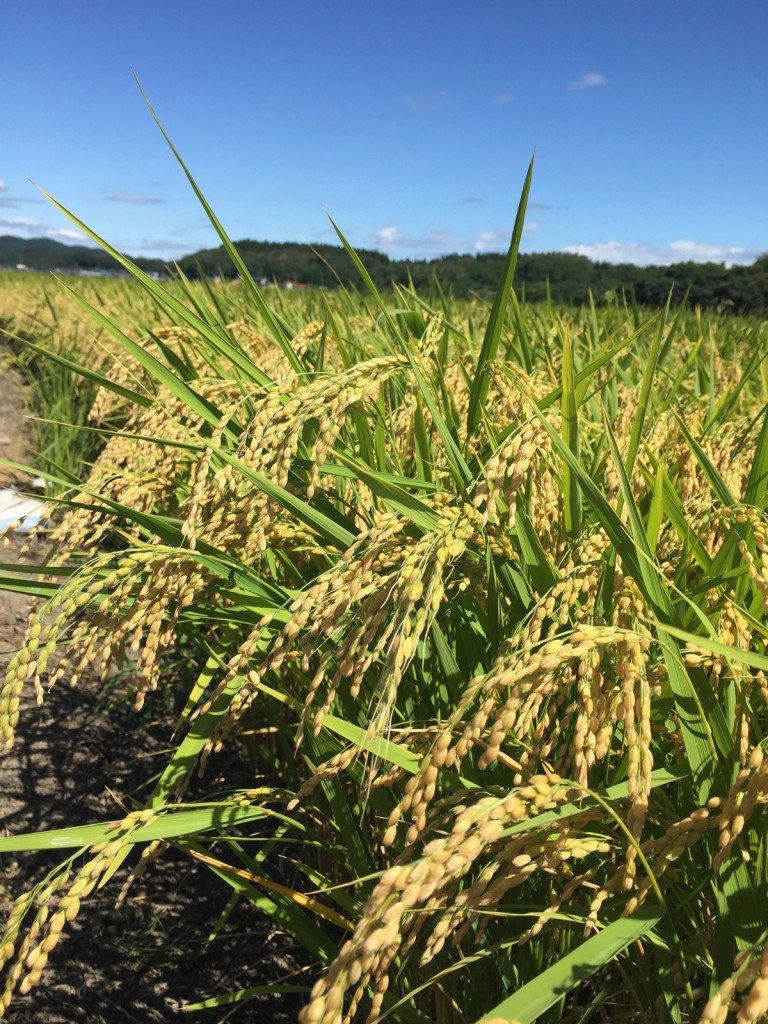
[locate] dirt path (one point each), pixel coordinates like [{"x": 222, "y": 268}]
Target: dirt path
[
  {"x": 13, "y": 607},
  {"x": 142, "y": 963}
]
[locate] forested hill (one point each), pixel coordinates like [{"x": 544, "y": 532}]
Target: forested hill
[
  {"x": 741, "y": 288},
  {"x": 48, "y": 254}
]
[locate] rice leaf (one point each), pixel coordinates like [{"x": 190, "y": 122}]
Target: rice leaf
[
  {"x": 570, "y": 429},
  {"x": 646, "y": 385},
  {"x": 171, "y": 823},
  {"x": 756, "y": 490},
  {"x": 535, "y": 998},
  {"x": 498, "y": 312}
]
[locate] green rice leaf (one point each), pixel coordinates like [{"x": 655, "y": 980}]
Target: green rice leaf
[
  {"x": 649, "y": 374},
  {"x": 498, "y": 312},
  {"x": 570, "y": 428},
  {"x": 532, "y": 1000},
  {"x": 756, "y": 491},
  {"x": 169, "y": 824}
]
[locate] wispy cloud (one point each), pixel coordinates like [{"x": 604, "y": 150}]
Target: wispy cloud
[
  {"x": 65, "y": 235},
  {"x": 386, "y": 237},
  {"x": 497, "y": 239},
  {"x": 30, "y": 227},
  {"x": 398, "y": 244},
  {"x": 643, "y": 254},
  {"x": 394, "y": 242},
  {"x": 21, "y": 223},
  {"x": 472, "y": 200},
  {"x": 134, "y": 199},
  {"x": 14, "y": 202},
  {"x": 170, "y": 248},
  {"x": 504, "y": 99},
  {"x": 589, "y": 81},
  {"x": 488, "y": 240},
  {"x": 426, "y": 101},
  {"x": 702, "y": 252}
]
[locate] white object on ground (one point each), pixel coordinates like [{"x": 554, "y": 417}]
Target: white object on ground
[{"x": 15, "y": 506}]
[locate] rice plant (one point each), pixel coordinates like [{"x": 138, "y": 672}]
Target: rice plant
[{"x": 496, "y": 578}]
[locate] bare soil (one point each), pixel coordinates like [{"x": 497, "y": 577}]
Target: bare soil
[{"x": 74, "y": 758}]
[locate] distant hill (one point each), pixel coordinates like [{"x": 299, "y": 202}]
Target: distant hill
[
  {"x": 10, "y": 244},
  {"x": 571, "y": 278},
  {"x": 46, "y": 254},
  {"x": 567, "y": 278}
]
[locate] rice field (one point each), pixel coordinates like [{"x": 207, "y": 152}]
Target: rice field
[{"x": 481, "y": 591}]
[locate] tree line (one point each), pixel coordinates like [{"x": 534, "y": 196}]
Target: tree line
[{"x": 565, "y": 278}]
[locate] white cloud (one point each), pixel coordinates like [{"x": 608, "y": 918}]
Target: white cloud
[
  {"x": 386, "y": 237},
  {"x": 488, "y": 240},
  {"x": 643, "y": 255},
  {"x": 391, "y": 240},
  {"x": 21, "y": 223},
  {"x": 134, "y": 199},
  {"x": 29, "y": 227},
  {"x": 163, "y": 248},
  {"x": 589, "y": 81},
  {"x": 506, "y": 97},
  {"x": 65, "y": 235},
  {"x": 701, "y": 252},
  {"x": 3, "y": 185},
  {"x": 14, "y": 202},
  {"x": 497, "y": 239},
  {"x": 439, "y": 242}
]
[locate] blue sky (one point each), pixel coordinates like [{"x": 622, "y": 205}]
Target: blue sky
[{"x": 412, "y": 124}]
